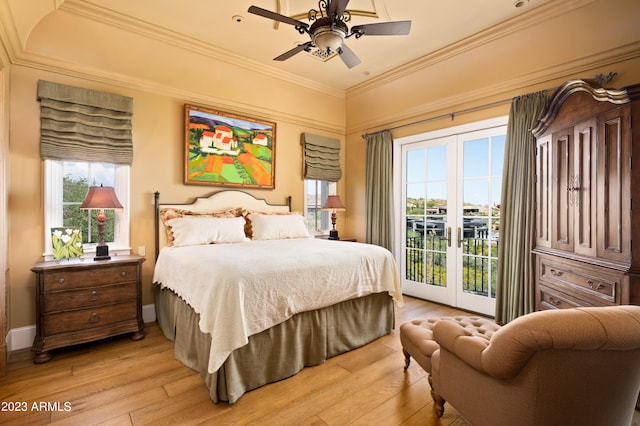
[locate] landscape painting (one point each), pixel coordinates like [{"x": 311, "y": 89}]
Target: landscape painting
[{"x": 229, "y": 150}]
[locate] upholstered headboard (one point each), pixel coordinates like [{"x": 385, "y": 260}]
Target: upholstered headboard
[{"x": 218, "y": 201}]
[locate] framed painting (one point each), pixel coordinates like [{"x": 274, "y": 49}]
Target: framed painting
[
  {"x": 227, "y": 149},
  {"x": 66, "y": 243}
]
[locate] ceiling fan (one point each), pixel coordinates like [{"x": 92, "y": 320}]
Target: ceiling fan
[{"x": 329, "y": 29}]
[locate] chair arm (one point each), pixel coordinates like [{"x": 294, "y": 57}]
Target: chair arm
[{"x": 511, "y": 347}]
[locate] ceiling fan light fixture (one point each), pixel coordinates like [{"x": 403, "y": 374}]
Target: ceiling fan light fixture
[{"x": 328, "y": 40}]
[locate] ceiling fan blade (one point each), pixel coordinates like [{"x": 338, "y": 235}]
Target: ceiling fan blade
[
  {"x": 337, "y": 7},
  {"x": 299, "y": 48},
  {"x": 383, "y": 28},
  {"x": 348, "y": 57},
  {"x": 276, "y": 16}
]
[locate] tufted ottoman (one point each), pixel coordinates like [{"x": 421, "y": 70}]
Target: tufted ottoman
[{"x": 416, "y": 336}]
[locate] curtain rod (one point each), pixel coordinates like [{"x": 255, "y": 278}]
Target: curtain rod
[
  {"x": 441, "y": 116},
  {"x": 601, "y": 79}
]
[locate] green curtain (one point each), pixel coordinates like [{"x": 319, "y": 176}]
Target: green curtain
[
  {"x": 379, "y": 189},
  {"x": 515, "y": 295}
]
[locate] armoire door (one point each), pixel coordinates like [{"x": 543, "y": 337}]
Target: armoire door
[{"x": 614, "y": 171}]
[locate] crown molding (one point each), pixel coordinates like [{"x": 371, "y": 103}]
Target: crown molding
[{"x": 549, "y": 76}]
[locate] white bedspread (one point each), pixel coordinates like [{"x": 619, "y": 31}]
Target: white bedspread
[{"x": 244, "y": 288}]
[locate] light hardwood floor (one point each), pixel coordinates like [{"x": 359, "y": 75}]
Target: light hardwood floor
[{"x": 121, "y": 382}]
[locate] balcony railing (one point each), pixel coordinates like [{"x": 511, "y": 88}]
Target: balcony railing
[{"x": 426, "y": 261}]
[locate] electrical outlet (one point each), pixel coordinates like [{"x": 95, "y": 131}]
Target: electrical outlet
[{"x": 142, "y": 250}]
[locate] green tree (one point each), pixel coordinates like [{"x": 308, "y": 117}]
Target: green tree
[{"x": 73, "y": 192}]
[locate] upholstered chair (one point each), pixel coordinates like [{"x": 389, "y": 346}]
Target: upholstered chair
[{"x": 562, "y": 367}]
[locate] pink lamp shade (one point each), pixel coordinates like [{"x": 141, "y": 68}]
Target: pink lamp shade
[
  {"x": 333, "y": 203},
  {"x": 101, "y": 198}
]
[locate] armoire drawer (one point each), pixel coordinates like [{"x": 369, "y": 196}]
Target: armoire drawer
[
  {"x": 590, "y": 283},
  {"x": 547, "y": 298}
]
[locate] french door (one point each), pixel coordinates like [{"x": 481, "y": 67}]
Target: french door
[{"x": 450, "y": 185}]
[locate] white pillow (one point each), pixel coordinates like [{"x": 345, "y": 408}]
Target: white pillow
[
  {"x": 278, "y": 226},
  {"x": 191, "y": 231}
]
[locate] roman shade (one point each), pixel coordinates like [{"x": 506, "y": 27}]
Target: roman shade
[
  {"x": 321, "y": 158},
  {"x": 83, "y": 124}
]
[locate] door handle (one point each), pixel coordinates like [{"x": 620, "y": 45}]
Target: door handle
[
  {"x": 460, "y": 237},
  {"x": 448, "y": 237}
]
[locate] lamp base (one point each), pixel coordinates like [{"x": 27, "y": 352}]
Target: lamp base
[
  {"x": 102, "y": 252},
  {"x": 333, "y": 234}
]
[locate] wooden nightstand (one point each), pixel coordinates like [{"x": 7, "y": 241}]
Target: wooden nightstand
[{"x": 79, "y": 301}]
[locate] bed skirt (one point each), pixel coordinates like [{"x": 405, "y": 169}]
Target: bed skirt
[{"x": 306, "y": 339}]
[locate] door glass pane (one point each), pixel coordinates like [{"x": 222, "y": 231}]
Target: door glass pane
[
  {"x": 415, "y": 165},
  {"x": 426, "y": 213},
  {"x": 476, "y": 158},
  {"x": 482, "y": 169}
]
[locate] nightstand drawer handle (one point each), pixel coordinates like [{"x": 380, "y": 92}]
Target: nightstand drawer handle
[
  {"x": 60, "y": 280},
  {"x": 123, "y": 273},
  {"x": 94, "y": 318},
  {"x": 94, "y": 296}
]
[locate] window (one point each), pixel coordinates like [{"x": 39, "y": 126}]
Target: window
[
  {"x": 316, "y": 193},
  {"x": 67, "y": 183}
]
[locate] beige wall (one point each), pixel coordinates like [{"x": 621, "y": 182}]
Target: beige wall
[{"x": 158, "y": 166}]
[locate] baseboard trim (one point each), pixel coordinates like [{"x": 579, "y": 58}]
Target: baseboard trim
[{"x": 22, "y": 337}]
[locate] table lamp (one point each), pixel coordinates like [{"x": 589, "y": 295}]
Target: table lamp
[
  {"x": 334, "y": 204},
  {"x": 101, "y": 198}
]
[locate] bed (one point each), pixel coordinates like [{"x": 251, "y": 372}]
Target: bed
[{"x": 249, "y": 297}]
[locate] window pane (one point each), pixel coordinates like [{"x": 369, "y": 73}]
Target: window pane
[
  {"x": 316, "y": 193},
  {"x": 76, "y": 178}
]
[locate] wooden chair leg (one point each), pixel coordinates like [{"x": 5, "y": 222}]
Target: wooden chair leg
[
  {"x": 407, "y": 359},
  {"x": 438, "y": 401}
]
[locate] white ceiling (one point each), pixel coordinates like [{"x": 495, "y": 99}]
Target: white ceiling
[{"x": 225, "y": 27}]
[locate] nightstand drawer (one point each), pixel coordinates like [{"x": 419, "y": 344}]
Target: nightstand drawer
[
  {"x": 64, "y": 280},
  {"x": 84, "y": 319},
  {"x": 89, "y": 297}
]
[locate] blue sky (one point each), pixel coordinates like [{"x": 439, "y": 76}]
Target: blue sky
[{"x": 482, "y": 170}]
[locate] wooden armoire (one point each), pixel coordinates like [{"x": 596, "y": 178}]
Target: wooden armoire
[{"x": 587, "y": 233}]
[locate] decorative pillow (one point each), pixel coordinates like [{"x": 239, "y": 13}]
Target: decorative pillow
[
  {"x": 278, "y": 226},
  {"x": 168, "y": 213},
  {"x": 196, "y": 230},
  {"x": 248, "y": 229}
]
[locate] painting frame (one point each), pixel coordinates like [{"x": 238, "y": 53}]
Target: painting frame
[{"x": 226, "y": 149}]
